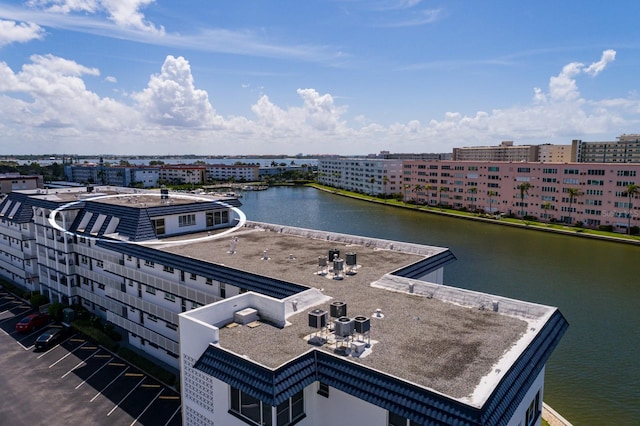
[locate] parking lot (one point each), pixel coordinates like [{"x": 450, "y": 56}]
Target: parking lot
[{"x": 74, "y": 381}]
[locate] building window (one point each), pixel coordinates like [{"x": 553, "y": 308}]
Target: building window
[
  {"x": 253, "y": 411},
  {"x": 150, "y": 290},
  {"x": 533, "y": 411},
  {"x": 291, "y": 410},
  {"x": 168, "y": 269},
  {"x": 158, "y": 224},
  {"x": 398, "y": 420},
  {"x": 170, "y": 297},
  {"x": 149, "y": 263},
  {"x": 249, "y": 409},
  {"x": 323, "y": 389},
  {"x": 99, "y": 263},
  {"x": 187, "y": 220},
  {"x": 193, "y": 276}
]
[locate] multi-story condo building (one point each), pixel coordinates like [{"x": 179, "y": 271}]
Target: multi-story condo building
[
  {"x": 365, "y": 175},
  {"x": 506, "y": 151},
  {"x": 15, "y": 181},
  {"x": 93, "y": 254},
  {"x": 225, "y": 172},
  {"x": 257, "y": 319},
  {"x": 183, "y": 174},
  {"x": 549, "y": 153},
  {"x": 100, "y": 174},
  {"x": 625, "y": 150},
  {"x": 375, "y": 340},
  {"x": 543, "y": 190}
]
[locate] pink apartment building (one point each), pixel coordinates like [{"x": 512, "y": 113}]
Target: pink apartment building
[{"x": 497, "y": 187}]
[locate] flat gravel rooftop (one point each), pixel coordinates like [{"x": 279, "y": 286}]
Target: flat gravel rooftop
[{"x": 439, "y": 345}]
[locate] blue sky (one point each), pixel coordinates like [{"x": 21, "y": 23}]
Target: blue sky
[{"x": 346, "y": 77}]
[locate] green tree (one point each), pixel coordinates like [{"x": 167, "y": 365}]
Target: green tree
[
  {"x": 546, "y": 206},
  {"x": 385, "y": 181},
  {"x": 440, "y": 190},
  {"x": 632, "y": 192},
  {"x": 524, "y": 190},
  {"x": 417, "y": 189},
  {"x": 372, "y": 181},
  {"x": 573, "y": 194},
  {"x": 490, "y": 196},
  {"x": 428, "y": 188}
]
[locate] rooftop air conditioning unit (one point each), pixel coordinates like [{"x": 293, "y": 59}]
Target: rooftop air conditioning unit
[
  {"x": 318, "y": 318},
  {"x": 362, "y": 324},
  {"x": 343, "y": 327},
  {"x": 338, "y": 309}
]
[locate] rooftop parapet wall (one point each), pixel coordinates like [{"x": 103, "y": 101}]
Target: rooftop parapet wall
[
  {"x": 372, "y": 243},
  {"x": 462, "y": 297}
]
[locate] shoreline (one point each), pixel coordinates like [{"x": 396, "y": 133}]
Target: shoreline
[{"x": 533, "y": 226}]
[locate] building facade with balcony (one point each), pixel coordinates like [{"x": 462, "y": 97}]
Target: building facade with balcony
[
  {"x": 365, "y": 175},
  {"x": 237, "y": 172},
  {"x": 626, "y": 149},
  {"x": 372, "y": 338},
  {"x": 594, "y": 194},
  {"x": 278, "y": 325}
]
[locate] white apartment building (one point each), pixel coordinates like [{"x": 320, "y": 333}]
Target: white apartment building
[
  {"x": 365, "y": 175},
  {"x": 102, "y": 263},
  {"x": 372, "y": 338},
  {"x": 275, "y": 325},
  {"x": 225, "y": 172}
]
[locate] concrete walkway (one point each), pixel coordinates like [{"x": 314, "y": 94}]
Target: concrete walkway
[{"x": 552, "y": 417}]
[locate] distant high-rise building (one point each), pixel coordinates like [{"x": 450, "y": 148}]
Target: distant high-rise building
[
  {"x": 625, "y": 150},
  {"x": 506, "y": 151}
]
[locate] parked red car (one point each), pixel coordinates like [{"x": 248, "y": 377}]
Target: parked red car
[{"x": 32, "y": 322}]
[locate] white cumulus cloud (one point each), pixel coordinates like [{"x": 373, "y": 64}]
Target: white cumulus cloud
[
  {"x": 171, "y": 97},
  {"x": 125, "y": 13},
  {"x": 14, "y": 32}
]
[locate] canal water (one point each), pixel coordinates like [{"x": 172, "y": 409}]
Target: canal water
[{"x": 593, "y": 377}]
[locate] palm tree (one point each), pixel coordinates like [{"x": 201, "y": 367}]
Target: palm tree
[
  {"x": 524, "y": 189},
  {"x": 491, "y": 194},
  {"x": 406, "y": 188},
  {"x": 372, "y": 181},
  {"x": 385, "y": 180},
  {"x": 428, "y": 187},
  {"x": 473, "y": 190},
  {"x": 632, "y": 191},
  {"x": 417, "y": 189},
  {"x": 573, "y": 194},
  {"x": 546, "y": 206},
  {"x": 442, "y": 188}
]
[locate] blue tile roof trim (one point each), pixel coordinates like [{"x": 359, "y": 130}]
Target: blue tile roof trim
[
  {"x": 252, "y": 282},
  {"x": 24, "y": 214},
  {"x": 502, "y": 403},
  {"x": 269, "y": 386},
  {"x": 416, "y": 403},
  {"x": 423, "y": 267}
]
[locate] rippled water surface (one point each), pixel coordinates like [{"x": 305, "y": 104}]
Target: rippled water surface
[{"x": 593, "y": 377}]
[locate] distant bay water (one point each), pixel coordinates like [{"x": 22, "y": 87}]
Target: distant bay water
[{"x": 593, "y": 377}]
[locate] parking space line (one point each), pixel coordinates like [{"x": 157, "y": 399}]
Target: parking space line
[
  {"x": 66, "y": 355},
  {"x": 126, "y": 396},
  {"x": 44, "y": 353},
  {"x": 104, "y": 388},
  {"x": 169, "y": 397},
  {"x": 146, "y": 408},
  {"x": 78, "y": 365},
  {"x": 94, "y": 373}
]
